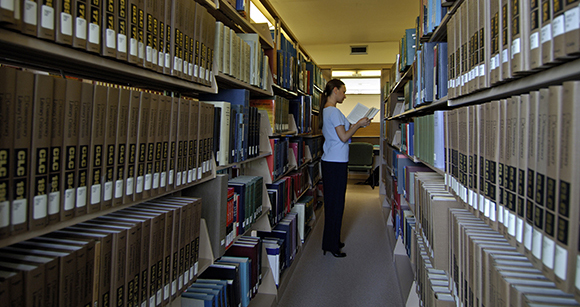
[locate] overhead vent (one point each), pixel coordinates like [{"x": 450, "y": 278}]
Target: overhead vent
[{"x": 358, "y": 50}]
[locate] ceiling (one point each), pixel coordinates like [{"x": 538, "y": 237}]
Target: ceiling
[{"x": 326, "y": 29}]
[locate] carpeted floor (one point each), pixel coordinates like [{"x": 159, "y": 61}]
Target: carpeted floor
[{"x": 366, "y": 277}]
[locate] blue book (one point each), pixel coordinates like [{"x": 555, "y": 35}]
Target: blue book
[
  {"x": 427, "y": 85},
  {"x": 410, "y": 44},
  {"x": 245, "y": 280},
  {"x": 197, "y": 299},
  {"x": 216, "y": 284},
  {"x": 441, "y": 70},
  {"x": 235, "y": 97}
]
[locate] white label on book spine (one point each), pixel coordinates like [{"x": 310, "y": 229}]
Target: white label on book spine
[
  {"x": 519, "y": 229},
  {"x": 53, "y": 203},
  {"x": 184, "y": 178},
  {"x": 161, "y": 59},
  {"x": 141, "y": 49},
  {"x": 481, "y": 203},
  {"x": 47, "y": 18},
  {"x": 548, "y": 253},
  {"x": 506, "y": 218},
  {"x": 30, "y": 14},
  {"x": 111, "y": 41},
  {"x": 95, "y": 194},
  {"x": 165, "y": 292},
  {"x": 528, "y": 234},
  {"x": 154, "y": 57},
  {"x": 176, "y": 64},
  {"x": 178, "y": 179},
  {"x": 148, "y": 182},
  {"x": 190, "y": 176},
  {"x": 572, "y": 19},
  {"x": 170, "y": 177},
  {"x": 486, "y": 208},
  {"x": 81, "y": 28},
  {"x": 108, "y": 195},
  {"x": 511, "y": 226},
  {"x": 538, "y": 239},
  {"x": 492, "y": 64},
  {"x": 40, "y": 206},
  {"x": 516, "y": 46},
  {"x": 163, "y": 179},
  {"x": 69, "y": 199},
  {"x": 546, "y": 33},
  {"x": 94, "y": 33},
  {"x": 535, "y": 40},
  {"x": 482, "y": 70},
  {"x": 7, "y": 5},
  {"x": 130, "y": 186},
  {"x": 159, "y": 297},
  {"x": 577, "y": 272},
  {"x": 19, "y": 207},
  {"x": 167, "y": 60},
  {"x": 180, "y": 282},
  {"x": 505, "y": 56},
  {"x": 561, "y": 262},
  {"x": 199, "y": 173},
  {"x": 156, "y": 180},
  {"x": 149, "y": 54},
  {"x": 133, "y": 47},
  {"x": 4, "y": 214},
  {"x": 558, "y": 26},
  {"x": 122, "y": 43},
  {"x": 173, "y": 287},
  {"x": 66, "y": 24},
  {"x": 492, "y": 213},
  {"x": 140, "y": 184},
  {"x": 470, "y": 198},
  {"x": 81, "y": 197},
  {"x": 118, "y": 188},
  {"x": 500, "y": 215}
]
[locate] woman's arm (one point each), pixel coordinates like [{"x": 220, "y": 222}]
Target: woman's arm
[{"x": 345, "y": 135}]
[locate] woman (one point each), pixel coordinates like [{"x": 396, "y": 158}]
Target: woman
[{"x": 337, "y": 131}]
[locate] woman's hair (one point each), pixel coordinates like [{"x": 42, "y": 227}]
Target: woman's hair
[{"x": 330, "y": 85}]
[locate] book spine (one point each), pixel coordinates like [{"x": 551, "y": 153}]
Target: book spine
[
  {"x": 45, "y": 26},
  {"x": 132, "y": 26},
  {"x": 172, "y": 173},
  {"x": 123, "y": 28},
  {"x": 39, "y": 151},
  {"x": 70, "y": 147},
  {"x": 130, "y": 176},
  {"x": 85, "y": 112},
  {"x": 164, "y": 179},
  {"x": 143, "y": 186},
  {"x": 506, "y": 39},
  {"x": 97, "y": 149},
  {"x": 533, "y": 134},
  {"x": 546, "y": 33},
  {"x": 522, "y": 171},
  {"x": 559, "y": 29},
  {"x": 7, "y": 100},
  {"x": 121, "y": 146},
  {"x": 80, "y": 21},
  {"x": 158, "y": 143},
  {"x": 193, "y": 139},
  {"x": 95, "y": 26},
  {"x": 535, "y": 52},
  {"x": 572, "y": 28},
  {"x": 149, "y": 186},
  {"x": 109, "y": 29},
  {"x": 496, "y": 37}
]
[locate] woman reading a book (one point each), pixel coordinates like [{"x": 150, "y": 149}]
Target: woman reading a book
[{"x": 337, "y": 132}]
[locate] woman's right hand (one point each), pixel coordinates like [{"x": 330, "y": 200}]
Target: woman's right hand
[{"x": 363, "y": 122}]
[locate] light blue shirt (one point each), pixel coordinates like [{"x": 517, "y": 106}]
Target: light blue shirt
[{"x": 334, "y": 149}]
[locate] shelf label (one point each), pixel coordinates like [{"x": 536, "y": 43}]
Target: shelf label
[
  {"x": 47, "y": 17},
  {"x": 548, "y": 253},
  {"x": 81, "y": 197},
  {"x": 95, "y": 194},
  {"x": 40, "y": 206},
  {"x": 4, "y": 213},
  {"x": 66, "y": 24},
  {"x": 81, "y": 28},
  {"x": 30, "y": 14},
  {"x": 19, "y": 207},
  {"x": 53, "y": 203},
  {"x": 7, "y": 5},
  {"x": 561, "y": 262},
  {"x": 94, "y": 33},
  {"x": 558, "y": 26},
  {"x": 535, "y": 40},
  {"x": 69, "y": 199},
  {"x": 572, "y": 19}
]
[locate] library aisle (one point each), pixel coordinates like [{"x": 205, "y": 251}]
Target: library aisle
[{"x": 366, "y": 277}]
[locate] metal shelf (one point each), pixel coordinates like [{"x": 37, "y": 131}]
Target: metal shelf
[
  {"x": 232, "y": 82},
  {"x": 406, "y": 77},
  {"x": 439, "y": 104},
  {"x": 26, "y": 51}
]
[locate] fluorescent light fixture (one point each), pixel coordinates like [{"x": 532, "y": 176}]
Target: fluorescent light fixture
[
  {"x": 257, "y": 16},
  {"x": 369, "y": 73},
  {"x": 369, "y": 86},
  {"x": 355, "y": 73},
  {"x": 343, "y": 73}
]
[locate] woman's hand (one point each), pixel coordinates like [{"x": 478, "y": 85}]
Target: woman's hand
[{"x": 363, "y": 122}]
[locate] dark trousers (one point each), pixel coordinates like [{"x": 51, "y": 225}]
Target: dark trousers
[{"x": 334, "y": 178}]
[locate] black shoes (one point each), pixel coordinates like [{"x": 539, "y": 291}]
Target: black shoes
[
  {"x": 336, "y": 254},
  {"x": 340, "y": 245}
]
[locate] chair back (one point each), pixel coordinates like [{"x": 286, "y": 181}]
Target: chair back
[{"x": 360, "y": 154}]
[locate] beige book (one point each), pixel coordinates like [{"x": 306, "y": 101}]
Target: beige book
[
  {"x": 96, "y": 149},
  {"x": 80, "y": 21},
  {"x": 173, "y": 139},
  {"x": 121, "y": 146},
  {"x": 522, "y": 171},
  {"x": 110, "y": 151},
  {"x": 530, "y": 185},
  {"x": 109, "y": 28},
  {"x": 492, "y": 163},
  {"x": 559, "y": 29},
  {"x": 95, "y": 26},
  {"x": 520, "y": 32},
  {"x": 142, "y": 144},
  {"x": 166, "y": 143},
  {"x": 480, "y": 122},
  {"x": 85, "y": 113},
  {"x": 149, "y": 35},
  {"x": 495, "y": 68},
  {"x": 182, "y": 144},
  {"x": 505, "y": 12},
  {"x": 158, "y": 143},
  {"x": 512, "y": 142},
  {"x": 46, "y": 19},
  {"x": 541, "y": 169},
  {"x": 517, "y": 291},
  {"x": 484, "y": 44},
  {"x": 572, "y": 35},
  {"x": 69, "y": 180},
  {"x": 502, "y": 173},
  {"x": 141, "y": 33},
  {"x": 567, "y": 233},
  {"x": 132, "y": 26},
  {"x": 33, "y": 280},
  {"x": 193, "y": 139},
  {"x": 552, "y": 175},
  {"x": 546, "y": 40},
  {"x": 122, "y": 30},
  {"x": 7, "y": 119},
  {"x": 130, "y": 179},
  {"x": 151, "y": 132},
  {"x": 39, "y": 151}
]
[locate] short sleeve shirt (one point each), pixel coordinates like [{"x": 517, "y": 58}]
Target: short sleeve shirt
[{"x": 334, "y": 149}]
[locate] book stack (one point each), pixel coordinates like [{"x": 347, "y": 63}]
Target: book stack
[
  {"x": 278, "y": 160},
  {"x": 113, "y": 259},
  {"x": 281, "y": 197},
  {"x": 407, "y": 50},
  {"x": 98, "y": 145},
  {"x": 156, "y": 35},
  {"x": 432, "y": 12},
  {"x": 286, "y": 62},
  {"x": 429, "y": 136},
  {"x": 277, "y": 108},
  {"x": 315, "y": 146},
  {"x": 301, "y": 109},
  {"x": 249, "y": 189},
  {"x": 304, "y": 208}
]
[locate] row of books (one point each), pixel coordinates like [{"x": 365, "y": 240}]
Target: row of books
[
  {"x": 242, "y": 140},
  {"x": 286, "y": 62},
  {"x": 284, "y": 192},
  {"x": 73, "y": 147},
  {"x": 247, "y": 206},
  {"x": 488, "y": 271},
  {"x": 430, "y": 74},
  {"x": 512, "y": 161},
  {"x": 174, "y": 37},
  {"x": 304, "y": 207},
  {"x": 143, "y": 255},
  {"x": 428, "y": 139},
  {"x": 240, "y": 55},
  {"x": 301, "y": 109},
  {"x": 278, "y": 160},
  {"x": 278, "y": 109},
  {"x": 407, "y": 49},
  {"x": 491, "y": 42},
  {"x": 431, "y": 14},
  {"x": 408, "y": 138},
  {"x": 315, "y": 145}
]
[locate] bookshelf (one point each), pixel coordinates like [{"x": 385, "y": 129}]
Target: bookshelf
[{"x": 518, "y": 216}]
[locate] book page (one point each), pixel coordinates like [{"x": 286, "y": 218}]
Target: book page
[{"x": 359, "y": 112}]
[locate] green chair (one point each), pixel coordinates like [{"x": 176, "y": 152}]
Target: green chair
[{"x": 360, "y": 158}]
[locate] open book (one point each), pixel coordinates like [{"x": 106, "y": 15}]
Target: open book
[{"x": 361, "y": 111}]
